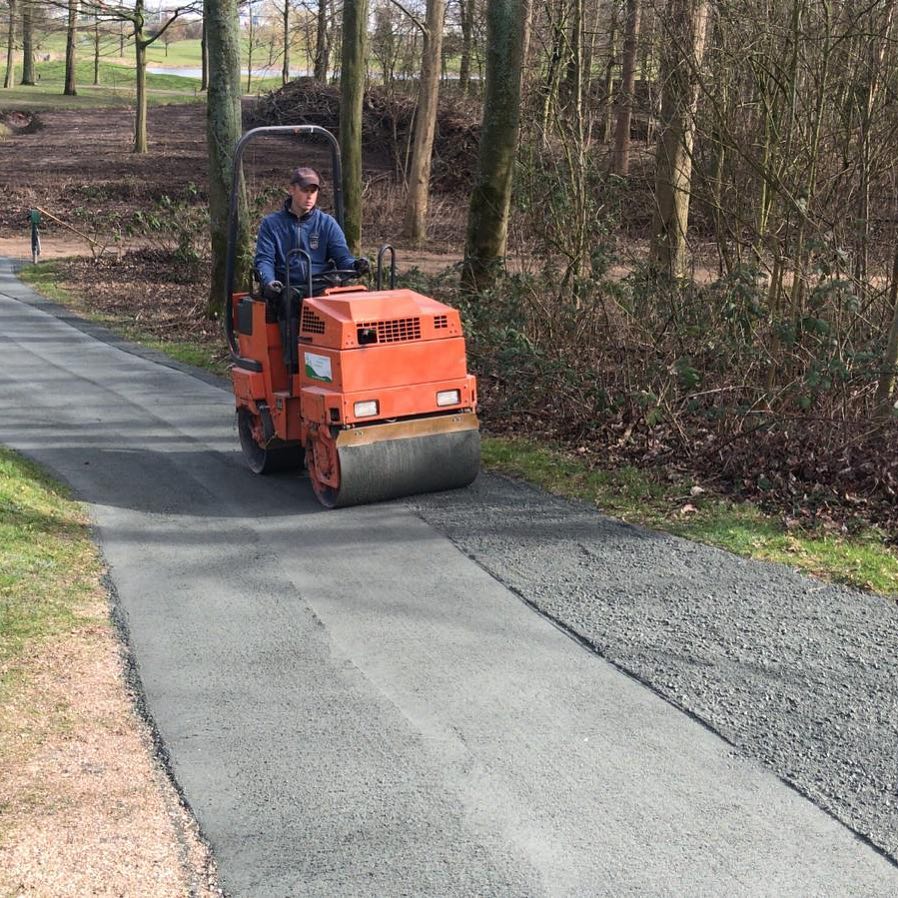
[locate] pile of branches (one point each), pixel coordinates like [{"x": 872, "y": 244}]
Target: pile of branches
[{"x": 387, "y": 123}]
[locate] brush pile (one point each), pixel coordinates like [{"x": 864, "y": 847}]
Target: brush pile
[{"x": 387, "y": 126}]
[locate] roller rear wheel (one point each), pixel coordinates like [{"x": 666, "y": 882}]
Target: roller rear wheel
[
  {"x": 323, "y": 462},
  {"x": 260, "y": 458}
]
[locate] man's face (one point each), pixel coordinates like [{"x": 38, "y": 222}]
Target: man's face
[{"x": 303, "y": 198}]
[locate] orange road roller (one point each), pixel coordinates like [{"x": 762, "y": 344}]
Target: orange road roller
[{"x": 368, "y": 388}]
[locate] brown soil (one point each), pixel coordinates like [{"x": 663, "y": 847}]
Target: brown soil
[{"x": 87, "y": 808}]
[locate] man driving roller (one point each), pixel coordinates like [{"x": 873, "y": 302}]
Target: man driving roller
[{"x": 300, "y": 225}]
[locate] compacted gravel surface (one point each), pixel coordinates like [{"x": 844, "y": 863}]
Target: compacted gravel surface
[{"x": 797, "y": 673}]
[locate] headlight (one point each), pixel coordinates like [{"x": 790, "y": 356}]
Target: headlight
[
  {"x": 367, "y": 409},
  {"x": 448, "y": 397}
]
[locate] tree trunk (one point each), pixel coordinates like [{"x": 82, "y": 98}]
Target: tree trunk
[
  {"x": 285, "y": 70},
  {"x": 204, "y": 55},
  {"x": 487, "y": 235},
  {"x": 882, "y": 401},
  {"x": 69, "y": 90},
  {"x": 352, "y": 91},
  {"x": 415, "y": 227},
  {"x": 467, "y": 42},
  {"x": 140, "y": 78},
  {"x": 223, "y": 129},
  {"x": 621, "y": 164},
  {"x": 322, "y": 48},
  {"x": 610, "y": 63},
  {"x": 96, "y": 50},
  {"x": 9, "y": 80},
  {"x": 684, "y": 46},
  {"x": 249, "y": 49},
  {"x": 27, "y": 45}
]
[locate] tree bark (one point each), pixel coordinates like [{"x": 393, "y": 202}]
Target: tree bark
[
  {"x": 140, "y": 78},
  {"x": 9, "y": 80},
  {"x": 69, "y": 89},
  {"x": 487, "y": 235},
  {"x": 27, "y": 45},
  {"x": 285, "y": 69},
  {"x": 204, "y": 55},
  {"x": 322, "y": 47},
  {"x": 352, "y": 90},
  {"x": 684, "y": 46},
  {"x": 251, "y": 39},
  {"x": 96, "y": 50},
  {"x": 467, "y": 42},
  {"x": 415, "y": 227},
  {"x": 223, "y": 129},
  {"x": 621, "y": 164},
  {"x": 882, "y": 400}
]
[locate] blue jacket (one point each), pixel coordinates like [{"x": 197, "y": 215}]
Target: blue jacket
[{"x": 316, "y": 232}]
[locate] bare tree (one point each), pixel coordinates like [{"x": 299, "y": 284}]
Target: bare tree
[
  {"x": 621, "y": 164},
  {"x": 684, "y": 46},
  {"x": 467, "y": 41},
  {"x": 487, "y": 236},
  {"x": 9, "y": 79},
  {"x": 69, "y": 89},
  {"x": 415, "y": 225},
  {"x": 223, "y": 129},
  {"x": 322, "y": 46},
  {"x": 27, "y": 42},
  {"x": 352, "y": 90}
]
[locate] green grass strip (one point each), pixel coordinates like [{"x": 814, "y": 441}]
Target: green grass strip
[
  {"x": 645, "y": 497},
  {"x": 48, "y": 563},
  {"x": 44, "y": 278}
]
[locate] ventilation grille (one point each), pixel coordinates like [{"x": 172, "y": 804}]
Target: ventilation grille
[
  {"x": 396, "y": 331},
  {"x": 311, "y": 323},
  {"x": 441, "y": 321}
]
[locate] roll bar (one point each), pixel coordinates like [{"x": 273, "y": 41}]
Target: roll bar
[{"x": 230, "y": 265}]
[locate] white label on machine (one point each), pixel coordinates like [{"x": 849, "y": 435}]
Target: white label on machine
[{"x": 318, "y": 367}]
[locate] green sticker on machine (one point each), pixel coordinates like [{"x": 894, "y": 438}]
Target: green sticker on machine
[{"x": 318, "y": 367}]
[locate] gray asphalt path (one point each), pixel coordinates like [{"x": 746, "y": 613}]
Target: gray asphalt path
[{"x": 352, "y": 706}]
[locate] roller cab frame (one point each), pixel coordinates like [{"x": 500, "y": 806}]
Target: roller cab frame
[{"x": 368, "y": 388}]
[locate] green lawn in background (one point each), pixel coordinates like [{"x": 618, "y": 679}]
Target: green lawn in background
[{"x": 116, "y": 88}]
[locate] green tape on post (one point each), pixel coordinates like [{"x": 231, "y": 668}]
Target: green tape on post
[{"x": 35, "y": 217}]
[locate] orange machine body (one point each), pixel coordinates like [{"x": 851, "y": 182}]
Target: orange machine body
[{"x": 363, "y": 357}]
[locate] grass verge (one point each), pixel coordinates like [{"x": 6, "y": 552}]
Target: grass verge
[
  {"x": 44, "y": 278},
  {"x": 634, "y": 495},
  {"x": 685, "y": 509},
  {"x": 48, "y": 564},
  {"x": 84, "y": 804}
]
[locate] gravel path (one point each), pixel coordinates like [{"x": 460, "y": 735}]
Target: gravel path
[{"x": 796, "y": 673}]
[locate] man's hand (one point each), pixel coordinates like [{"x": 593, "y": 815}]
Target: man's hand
[
  {"x": 273, "y": 289},
  {"x": 361, "y": 266}
]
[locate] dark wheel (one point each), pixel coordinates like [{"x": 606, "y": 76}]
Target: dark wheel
[
  {"x": 324, "y": 467},
  {"x": 262, "y": 459}
]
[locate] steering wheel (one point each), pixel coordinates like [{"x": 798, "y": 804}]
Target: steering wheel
[{"x": 335, "y": 277}]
